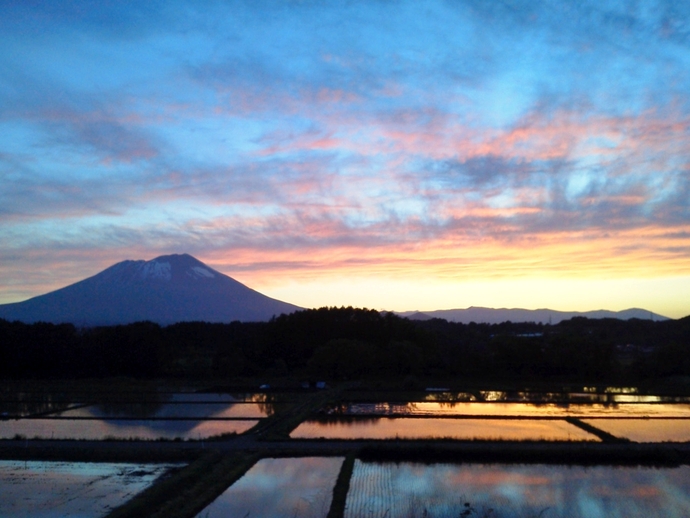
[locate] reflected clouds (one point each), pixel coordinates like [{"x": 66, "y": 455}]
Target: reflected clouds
[
  {"x": 439, "y": 428},
  {"x": 280, "y": 487},
  {"x": 405, "y": 489}
]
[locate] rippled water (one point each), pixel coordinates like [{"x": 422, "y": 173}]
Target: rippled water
[
  {"x": 294, "y": 487},
  {"x": 410, "y": 490},
  {"x": 37, "y": 489}
]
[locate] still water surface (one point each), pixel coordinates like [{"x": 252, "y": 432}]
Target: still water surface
[
  {"x": 210, "y": 397},
  {"x": 139, "y": 404},
  {"x": 96, "y": 429},
  {"x": 274, "y": 488},
  {"x": 168, "y": 411},
  {"x": 36, "y": 489},
  {"x": 428, "y": 428},
  {"x": 409, "y": 490},
  {"x": 439, "y": 408},
  {"x": 645, "y": 430}
]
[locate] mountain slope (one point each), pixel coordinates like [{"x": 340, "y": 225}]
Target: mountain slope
[
  {"x": 545, "y": 316},
  {"x": 168, "y": 289}
]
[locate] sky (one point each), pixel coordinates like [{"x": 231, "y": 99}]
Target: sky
[{"x": 394, "y": 155}]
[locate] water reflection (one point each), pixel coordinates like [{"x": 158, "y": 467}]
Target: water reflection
[
  {"x": 431, "y": 428},
  {"x": 27, "y": 399},
  {"x": 209, "y": 397},
  {"x": 168, "y": 411},
  {"x": 645, "y": 430},
  {"x": 493, "y": 395},
  {"x": 96, "y": 429},
  {"x": 607, "y": 395},
  {"x": 511, "y": 491},
  {"x": 622, "y": 390},
  {"x": 297, "y": 487},
  {"x": 19, "y": 404},
  {"x": 17, "y": 401},
  {"x": 269, "y": 403},
  {"x": 450, "y": 396},
  {"x": 513, "y": 409},
  {"x": 55, "y": 489},
  {"x": 138, "y": 410},
  {"x": 604, "y": 396}
]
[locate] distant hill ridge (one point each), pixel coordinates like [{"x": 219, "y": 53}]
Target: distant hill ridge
[
  {"x": 165, "y": 290},
  {"x": 544, "y": 316},
  {"x": 180, "y": 288}
]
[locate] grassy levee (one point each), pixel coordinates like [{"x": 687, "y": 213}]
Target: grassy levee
[
  {"x": 98, "y": 451},
  {"x": 278, "y": 426},
  {"x": 504, "y": 452},
  {"x": 342, "y": 486},
  {"x": 190, "y": 490}
]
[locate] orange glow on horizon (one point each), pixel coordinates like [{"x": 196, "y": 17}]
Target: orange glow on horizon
[{"x": 639, "y": 253}]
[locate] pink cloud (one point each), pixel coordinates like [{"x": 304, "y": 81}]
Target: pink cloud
[{"x": 537, "y": 136}]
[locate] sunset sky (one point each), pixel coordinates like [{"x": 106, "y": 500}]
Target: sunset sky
[{"x": 384, "y": 154}]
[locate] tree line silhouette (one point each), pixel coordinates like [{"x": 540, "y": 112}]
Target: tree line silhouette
[{"x": 350, "y": 343}]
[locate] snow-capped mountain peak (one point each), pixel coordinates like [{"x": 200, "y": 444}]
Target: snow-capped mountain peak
[
  {"x": 156, "y": 270},
  {"x": 167, "y": 289},
  {"x": 167, "y": 268},
  {"x": 199, "y": 272}
]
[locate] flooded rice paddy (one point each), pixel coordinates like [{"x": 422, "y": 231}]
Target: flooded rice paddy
[
  {"x": 37, "y": 489},
  {"x": 510, "y": 409},
  {"x": 98, "y": 429},
  {"x": 142, "y": 404},
  {"x": 439, "y": 428},
  {"x": 645, "y": 430},
  {"x": 213, "y": 397},
  {"x": 504, "y": 416},
  {"x": 480, "y": 415},
  {"x": 146, "y": 416},
  {"x": 293, "y": 487},
  {"x": 168, "y": 411},
  {"x": 303, "y": 487},
  {"x": 605, "y": 396},
  {"x": 408, "y": 490}
]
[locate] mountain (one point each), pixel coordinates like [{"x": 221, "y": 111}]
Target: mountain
[
  {"x": 545, "y": 316},
  {"x": 168, "y": 289},
  {"x": 416, "y": 315}
]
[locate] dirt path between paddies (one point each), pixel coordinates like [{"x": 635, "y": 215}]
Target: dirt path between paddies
[{"x": 431, "y": 450}]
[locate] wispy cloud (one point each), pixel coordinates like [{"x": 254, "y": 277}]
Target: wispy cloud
[{"x": 437, "y": 140}]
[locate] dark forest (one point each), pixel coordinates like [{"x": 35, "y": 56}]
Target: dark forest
[{"x": 349, "y": 343}]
